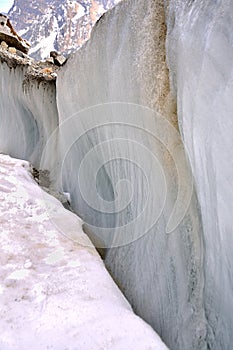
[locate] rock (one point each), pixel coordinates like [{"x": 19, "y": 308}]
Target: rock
[
  {"x": 47, "y": 70},
  {"x": 3, "y": 24},
  {"x": 60, "y": 60},
  {"x": 15, "y": 42},
  {"x": 4, "y": 45},
  {"x": 12, "y": 50},
  {"x": 21, "y": 54},
  {"x": 54, "y": 54},
  {"x": 9, "y": 35},
  {"x": 50, "y": 60}
]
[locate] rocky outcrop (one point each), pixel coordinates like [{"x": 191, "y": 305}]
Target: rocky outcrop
[
  {"x": 32, "y": 70},
  {"x": 9, "y": 35},
  {"x": 58, "y": 59}
]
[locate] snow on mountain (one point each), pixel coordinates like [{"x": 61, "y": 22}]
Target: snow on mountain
[{"x": 56, "y": 24}]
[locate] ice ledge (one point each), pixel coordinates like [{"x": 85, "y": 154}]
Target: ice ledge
[{"x": 55, "y": 291}]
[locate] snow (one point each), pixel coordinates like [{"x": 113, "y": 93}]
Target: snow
[
  {"x": 46, "y": 44},
  {"x": 80, "y": 12},
  {"x": 23, "y": 31},
  {"x": 55, "y": 292}
]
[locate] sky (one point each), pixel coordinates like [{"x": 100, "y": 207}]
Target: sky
[{"x": 5, "y": 5}]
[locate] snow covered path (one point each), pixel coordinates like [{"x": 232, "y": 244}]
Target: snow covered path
[{"x": 55, "y": 292}]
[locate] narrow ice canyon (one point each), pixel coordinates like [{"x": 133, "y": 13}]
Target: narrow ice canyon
[
  {"x": 137, "y": 129},
  {"x": 55, "y": 292}
]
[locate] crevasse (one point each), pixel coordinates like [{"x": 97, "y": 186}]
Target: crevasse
[
  {"x": 110, "y": 117},
  {"x": 107, "y": 131}
]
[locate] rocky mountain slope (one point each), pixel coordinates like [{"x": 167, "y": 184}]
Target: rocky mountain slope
[{"x": 56, "y": 24}]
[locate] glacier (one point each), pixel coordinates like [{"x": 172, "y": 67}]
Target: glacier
[
  {"x": 55, "y": 292},
  {"x": 135, "y": 128}
]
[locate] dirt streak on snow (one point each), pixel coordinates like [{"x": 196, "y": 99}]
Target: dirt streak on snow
[{"x": 56, "y": 293}]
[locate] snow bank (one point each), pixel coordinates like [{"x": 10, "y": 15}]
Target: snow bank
[{"x": 55, "y": 292}]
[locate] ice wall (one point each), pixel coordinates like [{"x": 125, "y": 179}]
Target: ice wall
[
  {"x": 28, "y": 112},
  {"x": 200, "y": 56},
  {"x": 124, "y": 164},
  {"x": 107, "y": 132}
]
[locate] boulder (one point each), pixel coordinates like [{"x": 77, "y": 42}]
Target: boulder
[
  {"x": 50, "y": 60},
  {"x": 12, "y": 50},
  {"x": 9, "y": 35},
  {"x": 4, "y": 45},
  {"x": 59, "y": 59}
]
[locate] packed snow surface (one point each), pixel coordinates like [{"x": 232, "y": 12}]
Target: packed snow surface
[{"x": 55, "y": 292}]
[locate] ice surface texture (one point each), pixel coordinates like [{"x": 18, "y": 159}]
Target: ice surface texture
[{"x": 200, "y": 55}]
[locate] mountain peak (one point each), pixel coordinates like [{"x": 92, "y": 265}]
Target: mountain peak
[{"x": 56, "y": 24}]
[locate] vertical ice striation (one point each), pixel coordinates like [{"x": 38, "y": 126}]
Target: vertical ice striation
[
  {"x": 28, "y": 112},
  {"x": 200, "y": 56},
  {"x": 123, "y": 157}
]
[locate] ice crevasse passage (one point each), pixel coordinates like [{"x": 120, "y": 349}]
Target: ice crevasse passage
[
  {"x": 110, "y": 134},
  {"x": 55, "y": 291}
]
